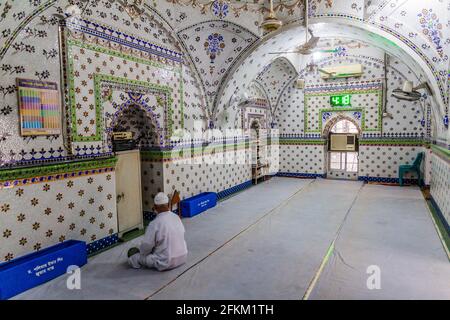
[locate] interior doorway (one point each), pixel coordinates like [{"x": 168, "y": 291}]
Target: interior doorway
[
  {"x": 343, "y": 150},
  {"x": 138, "y": 176},
  {"x": 258, "y": 144}
]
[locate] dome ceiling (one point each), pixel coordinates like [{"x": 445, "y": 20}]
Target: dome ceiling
[{"x": 293, "y": 36}]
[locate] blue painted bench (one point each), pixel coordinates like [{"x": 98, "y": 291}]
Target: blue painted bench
[
  {"x": 39, "y": 267},
  {"x": 198, "y": 204}
]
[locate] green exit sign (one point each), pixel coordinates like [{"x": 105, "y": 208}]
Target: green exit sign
[{"x": 342, "y": 100}]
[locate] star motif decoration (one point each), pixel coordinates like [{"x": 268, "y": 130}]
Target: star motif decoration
[
  {"x": 7, "y": 233},
  {"x": 5, "y": 207},
  {"x": 23, "y": 241}
]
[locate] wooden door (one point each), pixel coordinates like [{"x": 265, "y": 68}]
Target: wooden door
[{"x": 128, "y": 191}]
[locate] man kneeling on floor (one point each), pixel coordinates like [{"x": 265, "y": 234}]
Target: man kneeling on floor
[{"x": 163, "y": 246}]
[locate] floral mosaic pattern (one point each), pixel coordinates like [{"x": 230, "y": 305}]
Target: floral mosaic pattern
[
  {"x": 220, "y": 8},
  {"x": 275, "y": 77},
  {"x": 28, "y": 32},
  {"x": 90, "y": 105},
  {"x": 432, "y": 28},
  {"x": 402, "y": 135},
  {"x": 370, "y": 100},
  {"x": 193, "y": 179},
  {"x": 302, "y": 159},
  {"x": 383, "y": 161},
  {"x": 39, "y": 215},
  {"x": 214, "y": 45},
  {"x": 440, "y": 182},
  {"x": 226, "y": 38}
]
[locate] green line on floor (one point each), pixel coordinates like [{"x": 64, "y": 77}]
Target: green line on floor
[
  {"x": 319, "y": 272},
  {"x": 440, "y": 228}
]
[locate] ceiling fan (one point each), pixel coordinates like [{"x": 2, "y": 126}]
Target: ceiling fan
[
  {"x": 409, "y": 92},
  {"x": 310, "y": 44}
]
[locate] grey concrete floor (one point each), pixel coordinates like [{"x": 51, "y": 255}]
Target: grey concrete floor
[
  {"x": 269, "y": 242},
  {"x": 388, "y": 230}
]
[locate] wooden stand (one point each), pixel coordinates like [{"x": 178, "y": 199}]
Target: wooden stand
[
  {"x": 260, "y": 167},
  {"x": 259, "y": 172}
]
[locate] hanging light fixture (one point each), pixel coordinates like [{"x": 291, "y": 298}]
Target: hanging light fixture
[{"x": 271, "y": 22}]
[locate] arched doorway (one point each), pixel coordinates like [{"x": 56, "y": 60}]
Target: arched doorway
[
  {"x": 258, "y": 152},
  {"x": 134, "y": 135},
  {"x": 135, "y": 120},
  {"x": 343, "y": 149}
]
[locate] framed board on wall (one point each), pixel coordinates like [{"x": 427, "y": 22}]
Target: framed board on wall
[{"x": 39, "y": 107}]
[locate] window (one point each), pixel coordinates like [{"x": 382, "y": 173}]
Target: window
[
  {"x": 352, "y": 162},
  {"x": 344, "y": 161},
  {"x": 344, "y": 126},
  {"x": 337, "y": 159}
]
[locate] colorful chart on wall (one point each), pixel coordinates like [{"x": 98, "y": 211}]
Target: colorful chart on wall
[{"x": 39, "y": 107}]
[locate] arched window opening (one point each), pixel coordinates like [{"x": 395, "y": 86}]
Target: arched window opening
[
  {"x": 344, "y": 126},
  {"x": 344, "y": 161}
]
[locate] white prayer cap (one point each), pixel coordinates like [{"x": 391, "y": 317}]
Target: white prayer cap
[{"x": 161, "y": 198}]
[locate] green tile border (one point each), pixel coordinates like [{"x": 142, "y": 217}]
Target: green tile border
[
  {"x": 339, "y": 109},
  {"x": 117, "y": 54},
  {"x": 99, "y": 77},
  {"x": 393, "y": 142},
  {"x": 167, "y": 91},
  {"x": 444, "y": 153},
  {"x": 439, "y": 225},
  {"x": 44, "y": 170},
  {"x": 189, "y": 152},
  {"x": 287, "y": 141}
]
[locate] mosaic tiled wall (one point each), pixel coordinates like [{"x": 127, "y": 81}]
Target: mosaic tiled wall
[
  {"x": 382, "y": 161},
  {"x": 192, "y": 179},
  {"x": 302, "y": 158},
  {"x": 410, "y": 22},
  {"x": 181, "y": 82},
  {"x": 29, "y": 32},
  {"x": 366, "y": 106},
  {"x": 213, "y": 47},
  {"x": 440, "y": 181},
  {"x": 303, "y": 115},
  {"x": 107, "y": 82},
  {"x": 41, "y": 207},
  {"x": 195, "y": 168},
  {"x": 152, "y": 172}
]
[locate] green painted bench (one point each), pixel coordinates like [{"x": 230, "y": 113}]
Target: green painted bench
[{"x": 415, "y": 167}]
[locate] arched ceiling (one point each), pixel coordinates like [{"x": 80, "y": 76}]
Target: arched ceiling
[
  {"x": 290, "y": 37},
  {"x": 415, "y": 31},
  {"x": 213, "y": 47},
  {"x": 274, "y": 78}
]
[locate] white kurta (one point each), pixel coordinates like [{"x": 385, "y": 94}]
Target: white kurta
[{"x": 163, "y": 246}]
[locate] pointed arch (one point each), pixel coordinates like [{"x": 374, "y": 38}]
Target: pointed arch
[
  {"x": 334, "y": 120},
  {"x": 150, "y": 116}
]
